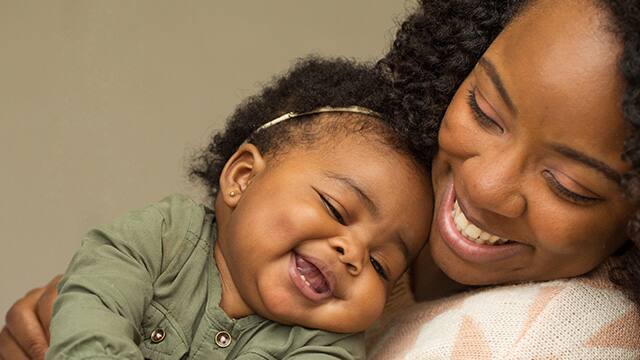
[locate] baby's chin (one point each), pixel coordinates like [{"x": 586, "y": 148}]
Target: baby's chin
[
  {"x": 338, "y": 324},
  {"x": 337, "y": 315}
]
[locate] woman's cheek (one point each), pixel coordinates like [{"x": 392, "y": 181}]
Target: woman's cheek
[{"x": 579, "y": 243}]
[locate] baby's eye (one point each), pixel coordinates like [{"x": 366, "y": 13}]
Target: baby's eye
[
  {"x": 378, "y": 268},
  {"x": 332, "y": 209}
]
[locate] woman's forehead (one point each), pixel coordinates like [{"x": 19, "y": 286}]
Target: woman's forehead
[
  {"x": 563, "y": 41},
  {"x": 558, "y": 61}
]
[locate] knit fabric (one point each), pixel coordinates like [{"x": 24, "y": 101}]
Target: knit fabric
[{"x": 582, "y": 318}]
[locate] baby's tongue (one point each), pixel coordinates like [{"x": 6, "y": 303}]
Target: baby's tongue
[{"x": 312, "y": 274}]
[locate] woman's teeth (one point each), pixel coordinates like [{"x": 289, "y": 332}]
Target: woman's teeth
[{"x": 471, "y": 231}]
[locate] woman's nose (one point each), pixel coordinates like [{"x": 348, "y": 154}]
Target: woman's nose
[
  {"x": 350, "y": 252},
  {"x": 493, "y": 182}
]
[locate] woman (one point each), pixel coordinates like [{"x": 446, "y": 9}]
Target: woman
[
  {"x": 530, "y": 151},
  {"x": 529, "y": 160},
  {"x": 548, "y": 86}
]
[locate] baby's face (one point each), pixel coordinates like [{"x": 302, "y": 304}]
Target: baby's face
[{"x": 319, "y": 236}]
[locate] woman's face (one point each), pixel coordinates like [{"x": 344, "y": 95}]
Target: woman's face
[{"x": 527, "y": 175}]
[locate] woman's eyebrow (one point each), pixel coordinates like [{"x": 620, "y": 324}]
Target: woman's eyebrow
[
  {"x": 568, "y": 152},
  {"x": 490, "y": 69},
  {"x": 585, "y": 159}
]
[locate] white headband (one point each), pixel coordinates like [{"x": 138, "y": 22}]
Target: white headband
[{"x": 325, "y": 109}]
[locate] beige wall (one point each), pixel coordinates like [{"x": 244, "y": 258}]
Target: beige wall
[{"x": 101, "y": 102}]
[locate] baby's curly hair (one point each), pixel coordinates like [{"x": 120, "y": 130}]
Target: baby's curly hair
[
  {"x": 312, "y": 83},
  {"x": 437, "y": 47}
]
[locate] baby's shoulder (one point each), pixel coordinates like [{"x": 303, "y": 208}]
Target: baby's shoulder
[
  {"x": 163, "y": 233},
  {"x": 184, "y": 224}
]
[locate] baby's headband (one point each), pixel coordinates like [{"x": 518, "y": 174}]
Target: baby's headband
[{"x": 324, "y": 109}]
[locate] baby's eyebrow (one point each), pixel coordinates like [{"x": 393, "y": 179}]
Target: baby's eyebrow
[
  {"x": 371, "y": 207},
  {"x": 356, "y": 189}
]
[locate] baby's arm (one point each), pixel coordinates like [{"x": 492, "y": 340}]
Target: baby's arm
[{"x": 107, "y": 287}]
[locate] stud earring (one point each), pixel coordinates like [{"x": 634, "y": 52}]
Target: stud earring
[{"x": 232, "y": 193}]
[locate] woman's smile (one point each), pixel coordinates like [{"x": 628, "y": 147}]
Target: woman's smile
[{"x": 468, "y": 240}]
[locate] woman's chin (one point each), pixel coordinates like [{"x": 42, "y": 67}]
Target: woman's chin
[
  {"x": 471, "y": 274},
  {"x": 466, "y": 273}
]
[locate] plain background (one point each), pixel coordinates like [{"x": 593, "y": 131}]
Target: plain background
[{"x": 102, "y": 102}]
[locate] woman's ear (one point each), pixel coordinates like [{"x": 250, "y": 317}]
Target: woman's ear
[{"x": 239, "y": 172}]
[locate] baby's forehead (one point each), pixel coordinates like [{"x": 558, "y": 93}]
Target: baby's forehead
[
  {"x": 333, "y": 129},
  {"x": 389, "y": 185},
  {"x": 328, "y": 125}
]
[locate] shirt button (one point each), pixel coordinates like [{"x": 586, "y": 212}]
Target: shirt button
[
  {"x": 157, "y": 335},
  {"x": 223, "y": 339}
]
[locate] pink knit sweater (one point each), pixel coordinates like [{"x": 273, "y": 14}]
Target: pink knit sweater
[{"x": 580, "y": 318}]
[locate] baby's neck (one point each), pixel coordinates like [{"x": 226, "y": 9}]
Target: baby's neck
[{"x": 231, "y": 302}]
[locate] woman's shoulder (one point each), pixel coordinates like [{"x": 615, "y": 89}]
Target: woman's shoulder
[{"x": 582, "y": 318}]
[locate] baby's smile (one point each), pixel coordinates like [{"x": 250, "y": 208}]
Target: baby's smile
[{"x": 312, "y": 277}]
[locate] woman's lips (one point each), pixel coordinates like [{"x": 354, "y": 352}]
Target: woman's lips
[
  {"x": 299, "y": 276},
  {"x": 463, "y": 247}
]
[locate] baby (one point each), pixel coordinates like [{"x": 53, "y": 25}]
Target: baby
[{"x": 316, "y": 214}]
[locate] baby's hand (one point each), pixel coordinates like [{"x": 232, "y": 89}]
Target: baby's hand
[{"x": 26, "y": 333}]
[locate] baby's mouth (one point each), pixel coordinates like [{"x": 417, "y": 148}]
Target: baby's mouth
[{"x": 311, "y": 275}]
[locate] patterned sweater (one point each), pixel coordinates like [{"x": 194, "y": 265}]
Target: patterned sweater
[{"x": 582, "y": 318}]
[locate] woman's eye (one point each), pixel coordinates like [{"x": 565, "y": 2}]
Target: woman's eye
[
  {"x": 378, "y": 268},
  {"x": 332, "y": 209},
  {"x": 480, "y": 116},
  {"x": 565, "y": 193}
]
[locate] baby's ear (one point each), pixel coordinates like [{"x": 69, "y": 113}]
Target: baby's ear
[{"x": 239, "y": 172}]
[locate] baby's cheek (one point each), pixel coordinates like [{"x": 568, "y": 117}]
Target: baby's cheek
[{"x": 369, "y": 309}]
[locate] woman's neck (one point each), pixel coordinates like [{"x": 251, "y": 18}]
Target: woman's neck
[{"x": 429, "y": 282}]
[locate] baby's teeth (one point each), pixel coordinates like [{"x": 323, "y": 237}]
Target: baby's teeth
[{"x": 305, "y": 280}]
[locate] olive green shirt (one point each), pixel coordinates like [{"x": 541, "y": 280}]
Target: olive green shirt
[{"x": 147, "y": 286}]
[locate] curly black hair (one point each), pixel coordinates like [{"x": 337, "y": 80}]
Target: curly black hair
[
  {"x": 312, "y": 83},
  {"x": 437, "y": 47}
]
